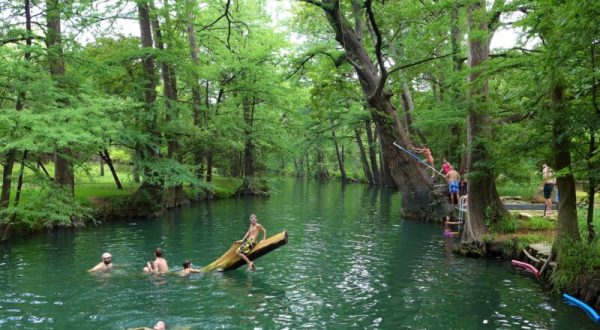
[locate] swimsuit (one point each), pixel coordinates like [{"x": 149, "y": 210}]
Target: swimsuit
[
  {"x": 548, "y": 187},
  {"x": 247, "y": 246},
  {"x": 445, "y": 169},
  {"x": 453, "y": 185}
]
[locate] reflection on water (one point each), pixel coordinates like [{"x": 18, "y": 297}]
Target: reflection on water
[{"x": 351, "y": 262}]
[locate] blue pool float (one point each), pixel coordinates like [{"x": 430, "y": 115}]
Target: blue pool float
[{"x": 570, "y": 300}]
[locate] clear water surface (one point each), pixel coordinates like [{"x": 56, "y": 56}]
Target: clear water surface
[{"x": 351, "y": 262}]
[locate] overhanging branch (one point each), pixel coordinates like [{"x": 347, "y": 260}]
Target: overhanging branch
[{"x": 405, "y": 66}]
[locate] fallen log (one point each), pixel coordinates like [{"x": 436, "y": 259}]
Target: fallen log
[{"x": 230, "y": 260}]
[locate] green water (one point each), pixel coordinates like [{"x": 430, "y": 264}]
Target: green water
[{"x": 351, "y": 262}]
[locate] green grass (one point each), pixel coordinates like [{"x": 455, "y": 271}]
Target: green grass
[
  {"x": 89, "y": 184},
  {"x": 537, "y": 223},
  {"x": 511, "y": 188},
  {"x": 225, "y": 187}
]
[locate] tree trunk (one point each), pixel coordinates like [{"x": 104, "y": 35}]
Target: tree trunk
[
  {"x": 419, "y": 199},
  {"x": 6, "y": 228},
  {"x": 386, "y": 174},
  {"x": 592, "y": 164},
  {"x": 209, "y": 165},
  {"x": 169, "y": 77},
  {"x": 371, "y": 144},
  {"x": 322, "y": 173},
  {"x": 63, "y": 169},
  {"x": 249, "y": 168},
  {"x": 457, "y": 65},
  {"x": 567, "y": 208},
  {"x": 363, "y": 157},
  {"x": 339, "y": 156},
  {"x": 484, "y": 203},
  {"x": 11, "y": 154},
  {"x": 230, "y": 260},
  {"x": 152, "y": 184},
  {"x": 591, "y": 188},
  {"x": 6, "y": 178},
  {"x": 105, "y": 156},
  {"x": 101, "y": 161},
  {"x": 195, "y": 86}
]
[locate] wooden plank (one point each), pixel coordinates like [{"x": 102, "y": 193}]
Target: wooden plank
[{"x": 230, "y": 260}]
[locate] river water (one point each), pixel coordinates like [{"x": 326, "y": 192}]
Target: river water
[{"x": 351, "y": 262}]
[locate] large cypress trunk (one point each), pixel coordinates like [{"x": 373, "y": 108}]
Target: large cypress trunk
[
  {"x": 169, "y": 77},
  {"x": 567, "y": 212},
  {"x": 152, "y": 186},
  {"x": 419, "y": 198},
  {"x": 63, "y": 169},
  {"x": 484, "y": 202}
]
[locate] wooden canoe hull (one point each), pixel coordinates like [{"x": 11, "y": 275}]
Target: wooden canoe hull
[{"x": 230, "y": 260}]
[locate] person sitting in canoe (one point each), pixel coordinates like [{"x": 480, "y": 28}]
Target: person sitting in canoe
[{"x": 249, "y": 240}]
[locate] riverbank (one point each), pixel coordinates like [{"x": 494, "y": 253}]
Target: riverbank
[
  {"x": 530, "y": 239},
  {"x": 96, "y": 199}
]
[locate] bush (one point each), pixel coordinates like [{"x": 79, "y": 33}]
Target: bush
[
  {"x": 52, "y": 206},
  {"x": 575, "y": 258}
]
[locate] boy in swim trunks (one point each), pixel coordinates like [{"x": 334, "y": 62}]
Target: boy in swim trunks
[
  {"x": 548, "y": 182},
  {"x": 427, "y": 155},
  {"x": 453, "y": 178},
  {"x": 249, "y": 240}
]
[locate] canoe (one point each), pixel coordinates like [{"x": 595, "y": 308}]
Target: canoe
[{"x": 230, "y": 260}]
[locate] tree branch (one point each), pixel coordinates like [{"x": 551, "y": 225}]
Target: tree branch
[
  {"x": 497, "y": 10},
  {"x": 401, "y": 67},
  {"x": 378, "y": 42}
]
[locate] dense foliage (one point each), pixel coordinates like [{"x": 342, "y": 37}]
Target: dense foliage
[{"x": 230, "y": 88}]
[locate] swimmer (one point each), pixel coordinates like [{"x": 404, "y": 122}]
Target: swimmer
[
  {"x": 187, "y": 269},
  {"x": 105, "y": 265},
  {"x": 159, "y": 265}
]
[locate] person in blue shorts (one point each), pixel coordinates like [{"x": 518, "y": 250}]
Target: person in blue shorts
[{"x": 453, "y": 178}]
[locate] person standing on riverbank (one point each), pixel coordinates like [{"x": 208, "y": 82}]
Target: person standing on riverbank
[
  {"x": 249, "y": 240},
  {"x": 159, "y": 265},
  {"x": 548, "y": 182},
  {"x": 105, "y": 265}
]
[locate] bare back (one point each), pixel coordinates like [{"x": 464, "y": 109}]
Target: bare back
[
  {"x": 160, "y": 265},
  {"x": 453, "y": 175}
]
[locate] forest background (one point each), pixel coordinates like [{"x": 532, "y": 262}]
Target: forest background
[{"x": 216, "y": 97}]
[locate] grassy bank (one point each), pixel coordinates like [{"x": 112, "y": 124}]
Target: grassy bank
[
  {"x": 577, "y": 259},
  {"x": 95, "y": 196}
]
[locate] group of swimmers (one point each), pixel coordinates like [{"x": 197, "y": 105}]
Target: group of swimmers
[{"x": 160, "y": 266}]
